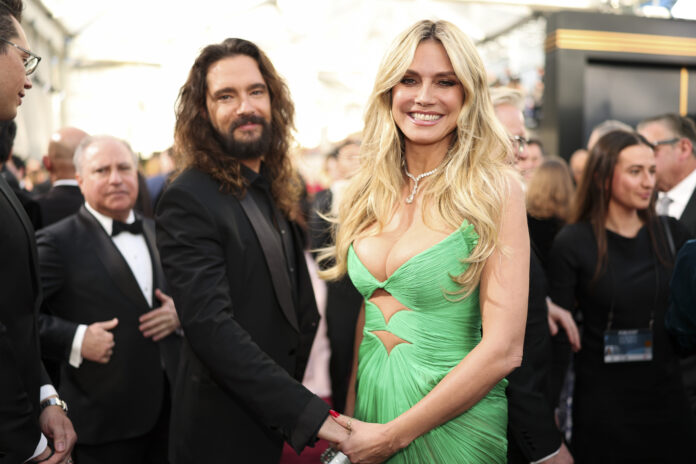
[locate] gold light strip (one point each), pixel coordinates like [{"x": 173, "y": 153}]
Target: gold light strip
[
  {"x": 684, "y": 92},
  {"x": 577, "y": 39}
]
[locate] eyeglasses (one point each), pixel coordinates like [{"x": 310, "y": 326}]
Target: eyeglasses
[
  {"x": 518, "y": 144},
  {"x": 30, "y": 63},
  {"x": 666, "y": 142}
]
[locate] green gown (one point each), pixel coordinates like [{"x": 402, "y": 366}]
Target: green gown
[{"x": 437, "y": 333}]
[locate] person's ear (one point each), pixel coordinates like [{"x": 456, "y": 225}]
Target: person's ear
[{"x": 686, "y": 148}]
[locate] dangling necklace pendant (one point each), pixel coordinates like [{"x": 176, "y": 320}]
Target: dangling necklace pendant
[{"x": 416, "y": 179}]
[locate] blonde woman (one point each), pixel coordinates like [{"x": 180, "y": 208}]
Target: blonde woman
[{"x": 432, "y": 233}]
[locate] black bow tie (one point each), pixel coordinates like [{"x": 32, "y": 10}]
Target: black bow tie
[{"x": 134, "y": 227}]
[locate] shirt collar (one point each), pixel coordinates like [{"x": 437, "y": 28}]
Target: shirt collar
[
  {"x": 682, "y": 191},
  {"x": 71, "y": 182},
  {"x": 106, "y": 222},
  {"x": 253, "y": 177}
]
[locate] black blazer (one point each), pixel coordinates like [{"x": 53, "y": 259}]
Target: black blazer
[
  {"x": 60, "y": 202},
  {"x": 532, "y": 431},
  {"x": 247, "y": 340},
  {"x": 688, "y": 217},
  {"x": 21, "y": 372},
  {"x": 85, "y": 279},
  {"x": 31, "y": 206}
]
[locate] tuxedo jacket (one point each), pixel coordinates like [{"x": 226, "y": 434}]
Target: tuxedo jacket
[
  {"x": 30, "y": 205},
  {"x": 688, "y": 216},
  {"x": 85, "y": 279},
  {"x": 60, "y": 202},
  {"x": 532, "y": 431},
  {"x": 247, "y": 337},
  {"x": 21, "y": 372}
]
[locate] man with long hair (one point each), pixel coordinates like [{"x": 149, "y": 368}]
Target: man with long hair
[
  {"x": 233, "y": 255},
  {"x": 33, "y": 424}
]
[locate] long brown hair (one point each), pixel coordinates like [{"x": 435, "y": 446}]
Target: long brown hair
[
  {"x": 196, "y": 144},
  {"x": 591, "y": 202}
]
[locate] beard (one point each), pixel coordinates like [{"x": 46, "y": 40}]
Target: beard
[{"x": 246, "y": 149}]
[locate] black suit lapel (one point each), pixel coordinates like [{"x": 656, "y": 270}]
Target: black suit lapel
[
  {"x": 113, "y": 260},
  {"x": 688, "y": 217},
  {"x": 273, "y": 253},
  {"x": 157, "y": 273},
  {"x": 28, "y": 229}
]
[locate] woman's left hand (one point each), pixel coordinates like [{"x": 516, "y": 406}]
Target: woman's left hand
[{"x": 368, "y": 443}]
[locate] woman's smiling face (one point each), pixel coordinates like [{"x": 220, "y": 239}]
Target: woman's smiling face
[{"x": 427, "y": 101}]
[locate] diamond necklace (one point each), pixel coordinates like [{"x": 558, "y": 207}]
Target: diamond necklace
[{"x": 409, "y": 199}]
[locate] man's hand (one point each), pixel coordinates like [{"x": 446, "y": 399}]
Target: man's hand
[
  {"x": 98, "y": 344},
  {"x": 58, "y": 429},
  {"x": 559, "y": 316},
  {"x": 162, "y": 321}
]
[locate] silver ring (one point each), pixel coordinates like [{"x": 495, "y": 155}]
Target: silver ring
[{"x": 350, "y": 420}]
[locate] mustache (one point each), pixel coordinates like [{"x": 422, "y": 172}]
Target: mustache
[{"x": 249, "y": 119}]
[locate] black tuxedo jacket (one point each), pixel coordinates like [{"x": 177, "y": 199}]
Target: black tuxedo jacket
[
  {"x": 60, "y": 202},
  {"x": 85, "y": 279},
  {"x": 688, "y": 217},
  {"x": 532, "y": 431},
  {"x": 247, "y": 339},
  {"x": 31, "y": 206},
  {"x": 21, "y": 372}
]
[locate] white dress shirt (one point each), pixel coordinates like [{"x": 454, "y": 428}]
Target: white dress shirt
[
  {"x": 137, "y": 255},
  {"x": 680, "y": 195},
  {"x": 70, "y": 182}
]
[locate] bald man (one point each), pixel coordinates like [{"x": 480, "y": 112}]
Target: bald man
[{"x": 64, "y": 198}]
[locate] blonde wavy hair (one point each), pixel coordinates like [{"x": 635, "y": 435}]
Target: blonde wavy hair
[{"x": 471, "y": 185}]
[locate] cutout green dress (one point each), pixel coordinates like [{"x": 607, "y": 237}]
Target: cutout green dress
[{"x": 436, "y": 333}]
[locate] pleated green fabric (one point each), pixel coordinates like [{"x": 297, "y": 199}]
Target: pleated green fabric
[{"x": 438, "y": 333}]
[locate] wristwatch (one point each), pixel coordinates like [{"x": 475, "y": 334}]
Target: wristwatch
[{"x": 54, "y": 401}]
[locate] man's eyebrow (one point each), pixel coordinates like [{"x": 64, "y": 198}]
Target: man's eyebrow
[
  {"x": 257, "y": 86},
  {"x": 223, "y": 90}
]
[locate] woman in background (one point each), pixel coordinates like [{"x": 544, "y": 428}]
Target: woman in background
[
  {"x": 432, "y": 233},
  {"x": 549, "y": 193},
  {"x": 612, "y": 264}
]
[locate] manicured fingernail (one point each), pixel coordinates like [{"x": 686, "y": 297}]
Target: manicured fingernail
[{"x": 333, "y": 413}]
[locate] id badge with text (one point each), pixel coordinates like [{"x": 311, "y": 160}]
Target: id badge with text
[{"x": 628, "y": 345}]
